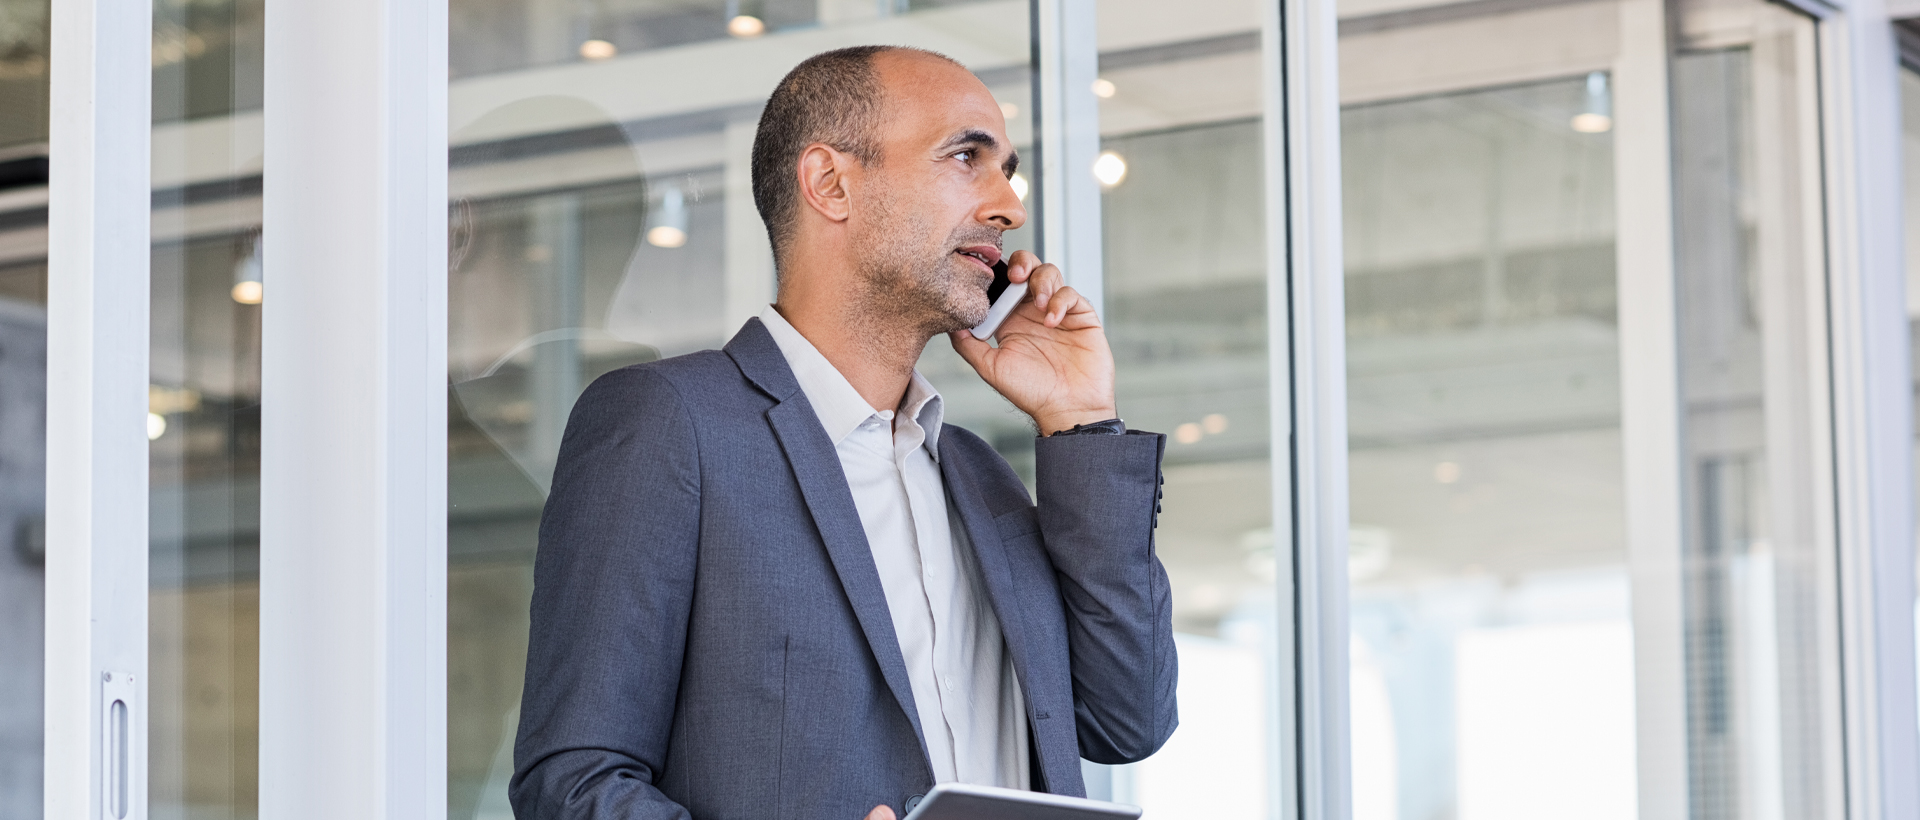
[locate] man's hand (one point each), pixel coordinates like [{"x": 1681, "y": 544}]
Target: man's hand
[
  {"x": 880, "y": 813},
  {"x": 1053, "y": 362}
]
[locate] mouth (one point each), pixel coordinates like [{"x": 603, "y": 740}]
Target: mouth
[{"x": 986, "y": 255}]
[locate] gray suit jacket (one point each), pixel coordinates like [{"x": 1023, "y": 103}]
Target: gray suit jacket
[{"x": 710, "y": 638}]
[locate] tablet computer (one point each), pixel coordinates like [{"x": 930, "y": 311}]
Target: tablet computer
[{"x": 958, "y": 801}]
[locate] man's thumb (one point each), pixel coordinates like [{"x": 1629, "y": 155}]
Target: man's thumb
[{"x": 880, "y": 813}]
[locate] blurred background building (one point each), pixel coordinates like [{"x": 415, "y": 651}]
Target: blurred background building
[{"x": 1499, "y": 212}]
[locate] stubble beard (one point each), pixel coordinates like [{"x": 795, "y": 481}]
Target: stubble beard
[{"x": 912, "y": 278}]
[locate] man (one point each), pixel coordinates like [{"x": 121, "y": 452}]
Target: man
[{"x": 772, "y": 584}]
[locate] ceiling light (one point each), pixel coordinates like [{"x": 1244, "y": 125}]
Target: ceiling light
[
  {"x": 746, "y": 26},
  {"x": 1110, "y": 169},
  {"x": 1214, "y": 424},
  {"x": 666, "y": 236},
  {"x": 1597, "y": 117},
  {"x": 598, "y": 50},
  {"x": 1187, "y": 433},
  {"x": 156, "y": 426},
  {"x": 247, "y": 274},
  {"x": 1020, "y": 186},
  {"x": 1009, "y": 110},
  {"x": 667, "y": 228},
  {"x": 1591, "y": 123},
  {"x": 1446, "y": 472},
  {"x": 1103, "y": 88}
]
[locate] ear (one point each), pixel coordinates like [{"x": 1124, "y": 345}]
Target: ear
[{"x": 823, "y": 181}]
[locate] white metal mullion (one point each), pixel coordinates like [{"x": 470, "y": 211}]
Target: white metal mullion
[
  {"x": 97, "y": 303},
  {"x": 1307, "y": 344},
  {"x": 353, "y": 424},
  {"x": 1872, "y": 410},
  {"x": 1069, "y": 136},
  {"x": 1651, "y": 420}
]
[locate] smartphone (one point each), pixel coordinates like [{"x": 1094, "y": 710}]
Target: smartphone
[{"x": 1002, "y": 297}]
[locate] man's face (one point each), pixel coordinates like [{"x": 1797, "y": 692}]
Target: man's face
[{"x": 927, "y": 228}]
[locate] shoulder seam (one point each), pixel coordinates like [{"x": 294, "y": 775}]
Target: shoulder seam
[{"x": 680, "y": 401}]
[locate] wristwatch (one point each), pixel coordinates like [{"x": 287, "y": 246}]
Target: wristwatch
[{"x": 1110, "y": 427}]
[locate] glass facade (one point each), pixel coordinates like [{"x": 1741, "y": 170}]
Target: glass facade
[{"x": 600, "y": 215}]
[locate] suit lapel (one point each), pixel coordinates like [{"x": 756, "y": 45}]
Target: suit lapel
[
  {"x": 816, "y": 467},
  {"x": 990, "y": 552}
]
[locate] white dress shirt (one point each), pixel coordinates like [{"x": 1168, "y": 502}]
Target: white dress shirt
[{"x": 970, "y": 706}]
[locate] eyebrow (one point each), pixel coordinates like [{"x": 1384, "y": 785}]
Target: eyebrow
[{"x": 984, "y": 140}]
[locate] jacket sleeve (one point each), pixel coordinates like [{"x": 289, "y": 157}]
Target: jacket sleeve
[
  {"x": 1098, "y": 505},
  {"x": 613, "y": 587}
]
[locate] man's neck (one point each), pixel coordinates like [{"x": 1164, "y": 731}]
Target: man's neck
[{"x": 875, "y": 354}]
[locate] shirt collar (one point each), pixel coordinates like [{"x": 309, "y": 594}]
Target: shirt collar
[{"x": 839, "y": 406}]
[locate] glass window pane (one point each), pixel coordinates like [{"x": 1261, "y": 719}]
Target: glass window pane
[
  {"x": 1186, "y": 273},
  {"x": 23, "y": 379},
  {"x": 1493, "y": 657},
  {"x": 1750, "y": 261},
  {"x": 1910, "y": 143},
  {"x": 602, "y": 216},
  {"x": 1488, "y": 555},
  {"x": 204, "y": 411},
  {"x": 23, "y": 437}
]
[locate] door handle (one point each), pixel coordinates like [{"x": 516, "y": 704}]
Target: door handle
[{"x": 117, "y": 759}]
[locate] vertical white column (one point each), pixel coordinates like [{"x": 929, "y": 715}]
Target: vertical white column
[
  {"x": 1650, "y": 402},
  {"x": 1873, "y": 428},
  {"x": 1306, "y": 303},
  {"x": 353, "y": 424},
  {"x": 1069, "y": 137},
  {"x": 97, "y": 303}
]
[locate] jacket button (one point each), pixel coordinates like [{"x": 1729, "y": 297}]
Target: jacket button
[{"x": 913, "y": 801}]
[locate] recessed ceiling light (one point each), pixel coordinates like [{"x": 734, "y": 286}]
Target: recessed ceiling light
[
  {"x": 598, "y": 50},
  {"x": 746, "y": 25},
  {"x": 1110, "y": 169}
]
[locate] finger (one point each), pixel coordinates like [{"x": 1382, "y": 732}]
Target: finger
[
  {"x": 880, "y": 813},
  {"x": 1020, "y": 265},
  {"x": 1047, "y": 282},
  {"x": 1065, "y": 301},
  {"x": 975, "y": 351}
]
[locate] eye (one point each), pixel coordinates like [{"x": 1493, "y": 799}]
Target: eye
[{"x": 964, "y": 156}]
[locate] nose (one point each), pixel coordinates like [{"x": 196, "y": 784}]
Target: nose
[{"x": 1002, "y": 207}]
